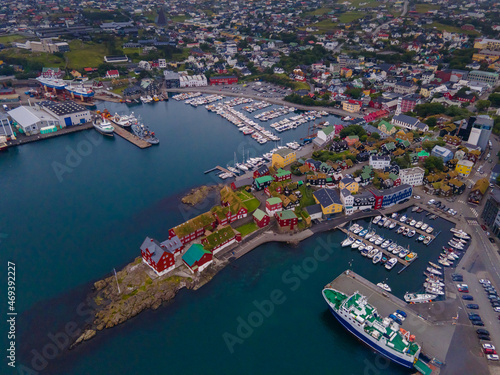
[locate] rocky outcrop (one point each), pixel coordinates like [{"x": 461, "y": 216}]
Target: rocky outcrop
[
  {"x": 86, "y": 335},
  {"x": 199, "y": 194}
]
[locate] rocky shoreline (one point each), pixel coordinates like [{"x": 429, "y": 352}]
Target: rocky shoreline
[
  {"x": 198, "y": 195},
  {"x": 140, "y": 289}
]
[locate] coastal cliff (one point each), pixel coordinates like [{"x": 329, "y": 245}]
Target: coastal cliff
[{"x": 140, "y": 289}]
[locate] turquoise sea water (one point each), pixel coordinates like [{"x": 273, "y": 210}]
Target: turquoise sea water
[{"x": 76, "y": 206}]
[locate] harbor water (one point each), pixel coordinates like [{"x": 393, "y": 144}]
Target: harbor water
[{"x": 75, "y": 207}]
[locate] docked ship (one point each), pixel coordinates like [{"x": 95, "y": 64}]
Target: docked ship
[
  {"x": 143, "y": 132},
  {"x": 52, "y": 83},
  {"x": 81, "y": 92},
  {"x": 419, "y": 297},
  {"x": 103, "y": 126},
  {"x": 362, "y": 320}
]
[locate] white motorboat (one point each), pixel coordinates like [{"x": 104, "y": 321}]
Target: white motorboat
[
  {"x": 390, "y": 263},
  {"x": 374, "y": 238},
  {"x": 400, "y": 230},
  {"x": 384, "y": 286},
  {"x": 413, "y": 222},
  {"x": 394, "y": 215},
  {"x": 434, "y": 282},
  {"x": 392, "y": 225},
  {"x": 435, "y": 265},
  {"x": 415, "y": 209},
  {"x": 377, "y": 257},
  {"x": 403, "y": 219},
  {"x": 387, "y": 223},
  {"x": 403, "y": 253},
  {"x": 406, "y": 231},
  {"x": 436, "y": 291},
  {"x": 356, "y": 244},
  {"x": 361, "y": 246},
  {"x": 411, "y": 233},
  {"x": 392, "y": 246},
  {"x": 429, "y": 230},
  {"x": 424, "y": 226},
  {"x": 103, "y": 126},
  {"x": 382, "y": 221},
  {"x": 358, "y": 229},
  {"x": 347, "y": 242},
  {"x": 379, "y": 240},
  {"x": 372, "y": 253},
  {"x": 370, "y": 234},
  {"x": 418, "y": 297},
  {"x": 419, "y": 224},
  {"x": 398, "y": 249},
  {"x": 444, "y": 262},
  {"x": 434, "y": 271},
  {"x": 369, "y": 248},
  {"x": 385, "y": 244},
  {"x": 377, "y": 219}
]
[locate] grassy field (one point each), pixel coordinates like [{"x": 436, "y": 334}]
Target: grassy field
[
  {"x": 83, "y": 55},
  {"x": 252, "y": 204},
  {"x": 449, "y": 28},
  {"x": 363, "y": 3},
  {"x": 179, "y": 18},
  {"x": 247, "y": 228},
  {"x": 318, "y": 12},
  {"x": 325, "y": 25},
  {"x": 424, "y": 8},
  {"x": 307, "y": 196},
  {"x": 47, "y": 59},
  {"x": 350, "y": 16},
  {"x": 301, "y": 86},
  {"x": 6, "y": 39},
  {"x": 150, "y": 16}
]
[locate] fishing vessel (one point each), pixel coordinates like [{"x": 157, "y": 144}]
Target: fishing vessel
[
  {"x": 411, "y": 256},
  {"x": 418, "y": 297},
  {"x": 362, "y": 320},
  {"x": 80, "y": 91},
  {"x": 125, "y": 121},
  {"x": 103, "y": 126}
]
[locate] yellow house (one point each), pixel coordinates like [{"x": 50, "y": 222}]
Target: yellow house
[
  {"x": 283, "y": 157},
  {"x": 464, "y": 167},
  {"x": 329, "y": 200},
  {"x": 345, "y": 72},
  {"x": 491, "y": 44},
  {"x": 425, "y": 92},
  {"x": 485, "y": 54},
  {"x": 352, "y": 107},
  {"x": 349, "y": 184}
]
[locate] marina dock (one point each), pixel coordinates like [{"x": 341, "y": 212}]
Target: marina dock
[
  {"x": 415, "y": 229},
  {"x": 433, "y": 337},
  {"x": 225, "y": 170},
  {"x": 131, "y": 137},
  {"x": 384, "y": 251}
]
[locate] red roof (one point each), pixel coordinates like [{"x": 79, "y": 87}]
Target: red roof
[{"x": 112, "y": 72}]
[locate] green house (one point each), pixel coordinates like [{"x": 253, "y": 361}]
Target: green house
[{"x": 197, "y": 258}]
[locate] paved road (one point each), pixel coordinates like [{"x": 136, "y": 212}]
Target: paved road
[{"x": 403, "y": 13}]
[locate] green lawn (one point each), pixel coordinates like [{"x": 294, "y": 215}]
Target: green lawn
[
  {"x": 424, "y": 8},
  {"x": 247, "y": 228},
  {"x": 5, "y": 39},
  {"x": 179, "y": 18},
  {"x": 252, "y": 204},
  {"x": 318, "y": 12},
  {"x": 307, "y": 196},
  {"x": 350, "y": 16},
  {"x": 325, "y": 25},
  {"x": 244, "y": 195},
  {"x": 47, "y": 59},
  {"x": 449, "y": 28},
  {"x": 83, "y": 55},
  {"x": 301, "y": 86},
  {"x": 366, "y": 3}
]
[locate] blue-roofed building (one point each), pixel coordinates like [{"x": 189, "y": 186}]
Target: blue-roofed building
[{"x": 442, "y": 152}]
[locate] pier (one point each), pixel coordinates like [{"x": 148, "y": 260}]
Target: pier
[
  {"x": 384, "y": 251},
  {"x": 222, "y": 169},
  {"x": 131, "y": 137},
  {"x": 423, "y": 232},
  {"x": 433, "y": 336}
]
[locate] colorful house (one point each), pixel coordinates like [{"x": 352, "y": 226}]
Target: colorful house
[
  {"x": 262, "y": 182},
  {"x": 197, "y": 258},
  {"x": 261, "y": 218},
  {"x": 273, "y": 205},
  {"x": 194, "y": 228},
  {"x": 389, "y": 197},
  {"x": 313, "y": 164},
  {"x": 351, "y": 139},
  {"x": 263, "y": 170},
  {"x": 464, "y": 167},
  {"x": 352, "y": 106},
  {"x": 329, "y": 200},
  {"x": 282, "y": 175},
  {"x": 349, "y": 184},
  {"x": 386, "y": 127},
  {"x": 286, "y": 219},
  {"x": 283, "y": 157},
  {"x": 161, "y": 260},
  {"x": 220, "y": 239}
]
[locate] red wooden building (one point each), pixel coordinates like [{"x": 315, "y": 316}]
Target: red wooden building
[
  {"x": 161, "y": 260},
  {"x": 223, "y": 80},
  {"x": 286, "y": 219},
  {"x": 194, "y": 228},
  {"x": 261, "y": 218}
]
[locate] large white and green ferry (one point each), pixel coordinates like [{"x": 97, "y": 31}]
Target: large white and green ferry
[{"x": 362, "y": 320}]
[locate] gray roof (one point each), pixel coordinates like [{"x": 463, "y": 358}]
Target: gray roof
[
  {"x": 154, "y": 248},
  {"x": 327, "y": 197},
  {"x": 407, "y": 119},
  {"x": 314, "y": 209},
  {"x": 172, "y": 244},
  {"x": 27, "y": 116},
  {"x": 64, "y": 108}
]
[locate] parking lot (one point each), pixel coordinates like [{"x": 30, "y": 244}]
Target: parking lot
[{"x": 264, "y": 90}]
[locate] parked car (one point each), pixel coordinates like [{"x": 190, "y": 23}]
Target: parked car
[
  {"x": 488, "y": 346},
  {"x": 458, "y": 278},
  {"x": 482, "y": 331},
  {"x": 401, "y": 312},
  {"x": 484, "y": 281},
  {"x": 396, "y": 319},
  {"x": 473, "y": 316},
  {"x": 483, "y": 227},
  {"x": 483, "y": 337},
  {"x": 432, "y": 201},
  {"x": 478, "y": 323},
  {"x": 491, "y": 240},
  {"x": 416, "y": 196},
  {"x": 490, "y": 351},
  {"x": 496, "y": 309},
  {"x": 468, "y": 298},
  {"x": 472, "y": 306},
  {"x": 492, "y": 357}
]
